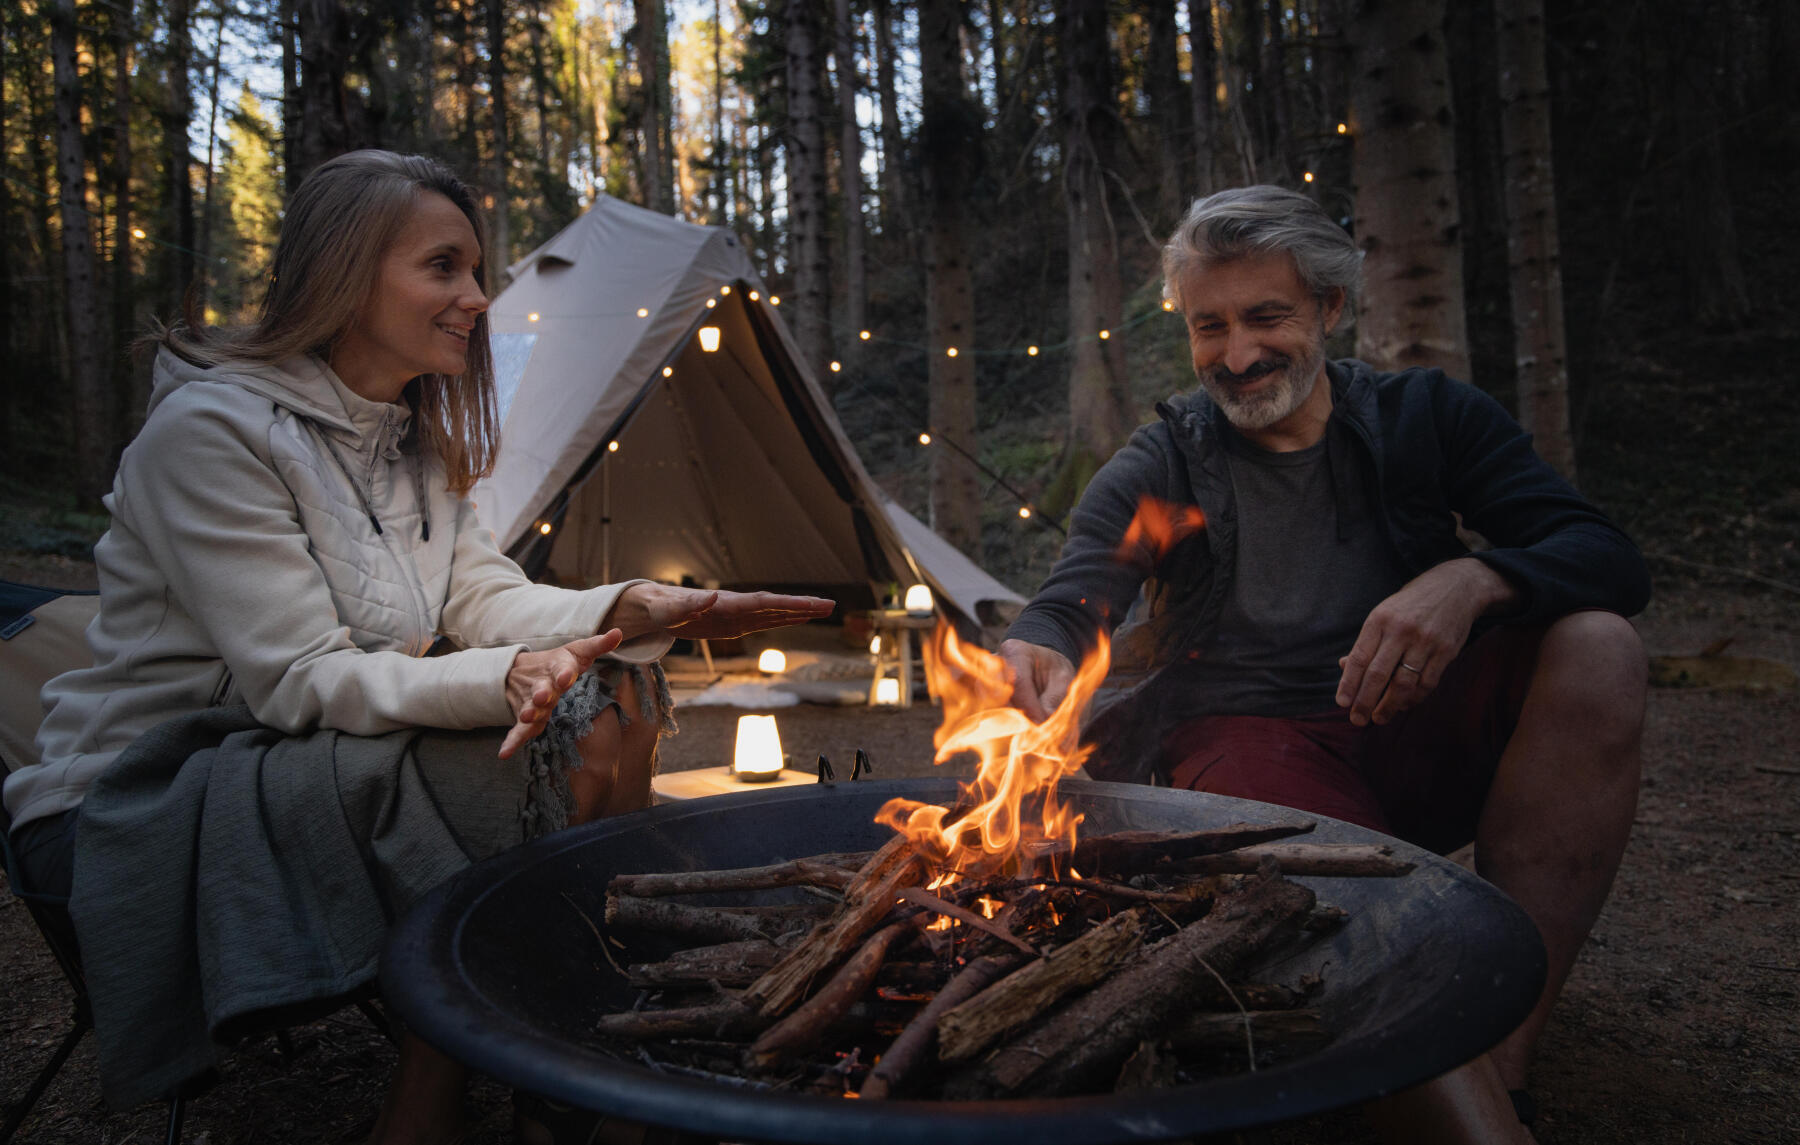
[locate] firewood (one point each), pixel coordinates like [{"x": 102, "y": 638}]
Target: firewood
[
  {"x": 705, "y": 924},
  {"x": 919, "y": 897},
  {"x": 728, "y": 964},
  {"x": 1134, "y": 852},
  {"x": 867, "y": 901},
  {"x": 1082, "y": 1045},
  {"x": 730, "y": 1018},
  {"x": 1364, "y": 860},
  {"x": 1147, "y": 1068},
  {"x": 800, "y": 872},
  {"x": 1255, "y": 996},
  {"x": 1290, "y": 1030},
  {"x": 915, "y": 1043},
  {"x": 813, "y": 1019},
  {"x": 1030, "y": 991}
]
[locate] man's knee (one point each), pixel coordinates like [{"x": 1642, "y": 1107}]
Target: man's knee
[{"x": 1593, "y": 663}]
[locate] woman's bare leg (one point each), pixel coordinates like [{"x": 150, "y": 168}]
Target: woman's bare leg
[
  {"x": 616, "y": 762},
  {"x": 424, "y": 1102}
]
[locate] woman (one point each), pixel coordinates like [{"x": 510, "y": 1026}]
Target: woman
[{"x": 247, "y": 760}]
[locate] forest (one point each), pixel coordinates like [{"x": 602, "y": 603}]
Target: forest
[{"x": 1577, "y": 206}]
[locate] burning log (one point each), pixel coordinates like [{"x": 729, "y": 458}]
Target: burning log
[
  {"x": 1085, "y": 1043},
  {"x": 820, "y": 871},
  {"x": 813, "y": 1019},
  {"x": 915, "y": 1043},
  {"x": 728, "y": 964},
  {"x": 867, "y": 900},
  {"x": 706, "y": 924},
  {"x": 1022, "y": 996},
  {"x": 1359, "y": 860},
  {"x": 1136, "y": 851}
]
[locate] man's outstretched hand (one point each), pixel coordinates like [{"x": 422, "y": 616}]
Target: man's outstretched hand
[
  {"x": 538, "y": 679},
  {"x": 1413, "y": 635},
  {"x": 709, "y": 614},
  {"x": 1041, "y": 677}
]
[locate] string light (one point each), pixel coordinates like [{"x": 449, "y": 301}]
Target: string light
[
  {"x": 1168, "y": 304},
  {"x": 864, "y": 335},
  {"x": 612, "y": 447},
  {"x": 774, "y": 300},
  {"x": 1031, "y": 351},
  {"x": 924, "y": 439},
  {"x": 837, "y": 367},
  {"x": 668, "y": 371},
  {"x": 1308, "y": 176},
  {"x": 712, "y": 302},
  {"x": 1343, "y": 129},
  {"x": 1105, "y": 334},
  {"x": 643, "y": 313},
  {"x": 1025, "y": 512},
  {"x": 544, "y": 528},
  {"x": 724, "y": 290},
  {"x": 532, "y": 317},
  {"x": 755, "y": 294},
  {"x": 138, "y": 233},
  {"x": 950, "y": 353}
]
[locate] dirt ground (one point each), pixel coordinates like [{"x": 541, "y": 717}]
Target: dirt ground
[{"x": 1677, "y": 1026}]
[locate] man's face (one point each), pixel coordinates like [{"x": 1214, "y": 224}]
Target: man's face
[{"x": 1258, "y": 338}]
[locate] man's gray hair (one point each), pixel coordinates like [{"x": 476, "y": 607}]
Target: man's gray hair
[{"x": 1244, "y": 221}]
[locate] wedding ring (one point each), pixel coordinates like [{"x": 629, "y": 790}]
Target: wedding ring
[{"x": 1408, "y": 667}]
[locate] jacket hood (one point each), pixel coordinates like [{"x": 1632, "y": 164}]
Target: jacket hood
[{"x": 302, "y": 384}]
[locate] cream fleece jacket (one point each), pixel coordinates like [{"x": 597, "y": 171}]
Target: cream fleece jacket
[{"x": 277, "y": 541}]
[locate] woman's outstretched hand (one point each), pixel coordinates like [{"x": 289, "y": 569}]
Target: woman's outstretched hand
[
  {"x": 709, "y": 614},
  {"x": 538, "y": 679}
]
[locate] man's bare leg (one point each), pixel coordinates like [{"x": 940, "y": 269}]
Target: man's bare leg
[
  {"x": 1551, "y": 836},
  {"x": 1559, "y": 812},
  {"x": 424, "y": 1102}
]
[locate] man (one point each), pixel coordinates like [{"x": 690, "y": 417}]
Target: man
[{"x": 1316, "y": 635}]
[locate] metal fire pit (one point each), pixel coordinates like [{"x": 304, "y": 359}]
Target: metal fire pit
[{"x": 500, "y": 970}]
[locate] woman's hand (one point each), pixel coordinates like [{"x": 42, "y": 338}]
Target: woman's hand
[
  {"x": 709, "y": 614},
  {"x": 538, "y": 679}
]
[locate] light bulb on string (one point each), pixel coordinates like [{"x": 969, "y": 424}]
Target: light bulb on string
[
  {"x": 837, "y": 367},
  {"x": 532, "y": 317},
  {"x": 924, "y": 439},
  {"x": 1105, "y": 334},
  {"x": 643, "y": 312},
  {"x": 950, "y": 352},
  {"x": 724, "y": 290},
  {"x": 1031, "y": 351},
  {"x": 1025, "y": 512},
  {"x": 864, "y": 335},
  {"x": 612, "y": 447},
  {"x": 668, "y": 371},
  {"x": 774, "y": 300},
  {"x": 1308, "y": 176},
  {"x": 755, "y": 294}
]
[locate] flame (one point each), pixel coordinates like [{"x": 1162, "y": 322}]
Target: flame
[
  {"x": 1013, "y": 800},
  {"x": 1158, "y": 527}
]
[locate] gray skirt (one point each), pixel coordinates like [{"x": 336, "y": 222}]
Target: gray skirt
[{"x": 226, "y": 875}]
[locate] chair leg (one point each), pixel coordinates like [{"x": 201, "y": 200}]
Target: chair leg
[
  {"x": 378, "y": 1019},
  {"x": 177, "y": 1111},
  {"x": 23, "y": 1108}
]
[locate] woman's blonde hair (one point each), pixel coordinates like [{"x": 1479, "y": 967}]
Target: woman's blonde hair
[{"x": 339, "y": 223}]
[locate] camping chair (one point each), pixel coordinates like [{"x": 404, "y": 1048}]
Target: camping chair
[{"x": 41, "y": 635}]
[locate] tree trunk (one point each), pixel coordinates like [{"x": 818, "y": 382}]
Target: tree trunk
[
  {"x": 1271, "y": 83},
  {"x": 132, "y": 406},
  {"x": 893, "y": 139},
  {"x": 324, "y": 48},
  {"x": 1404, "y": 171},
  {"x": 850, "y": 177},
  {"x": 87, "y": 381},
  {"x": 1205, "y": 81},
  {"x": 718, "y": 182},
  {"x": 500, "y": 234},
  {"x": 177, "y": 163},
  {"x": 653, "y": 68},
  {"x": 1168, "y": 110},
  {"x": 291, "y": 109},
  {"x": 1534, "y": 255},
  {"x": 949, "y": 151},
  {"x": 1100, "y": 412},
  {"x": 212, "y": 139},
  {"x": 809, "y": 249}
]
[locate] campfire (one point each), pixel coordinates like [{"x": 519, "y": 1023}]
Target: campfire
[{"x": 989, "y": 949}]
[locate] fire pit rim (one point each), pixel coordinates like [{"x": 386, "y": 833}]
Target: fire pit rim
[{"x": 453, "y": 1014}]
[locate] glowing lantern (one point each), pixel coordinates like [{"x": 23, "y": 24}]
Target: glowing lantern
[
  {"x": 875, "y": 645},
  {"x": 709, "y": 338},
  {"x": 758, "y": 755},
  {"x": 887, "y": 691},
  {"x": 772, "y": 660},
  {"x": 918, "y": 599}
]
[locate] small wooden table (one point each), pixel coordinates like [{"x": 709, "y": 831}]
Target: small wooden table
[
  {"x": 696, "y": 783},
  {"x": 896, "y": 626}
]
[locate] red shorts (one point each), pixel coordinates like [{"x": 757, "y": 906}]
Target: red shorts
[{"x": 1422, "y": 777}]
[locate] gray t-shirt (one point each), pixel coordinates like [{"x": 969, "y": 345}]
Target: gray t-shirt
[{"x": 1300, "y": 593}]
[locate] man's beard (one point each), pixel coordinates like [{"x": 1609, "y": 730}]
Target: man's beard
[{"x": 1292, "y": 386}]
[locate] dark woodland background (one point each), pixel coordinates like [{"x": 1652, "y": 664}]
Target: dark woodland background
[{"x": 1581, "y": 207}]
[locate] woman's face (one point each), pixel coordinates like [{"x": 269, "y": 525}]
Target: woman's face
[{"x": 419, "y": 315}]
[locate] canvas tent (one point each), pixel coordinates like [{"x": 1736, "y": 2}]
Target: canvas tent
[{"x": 630, "y": 449}]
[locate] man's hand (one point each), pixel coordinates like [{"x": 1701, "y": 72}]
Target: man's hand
[
  {"x": 538, "y": 679},
  {"x": 1041, "y": 677},
  {"x": 1413, "y": 635},
  {"x": 709, "y": 614}
]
